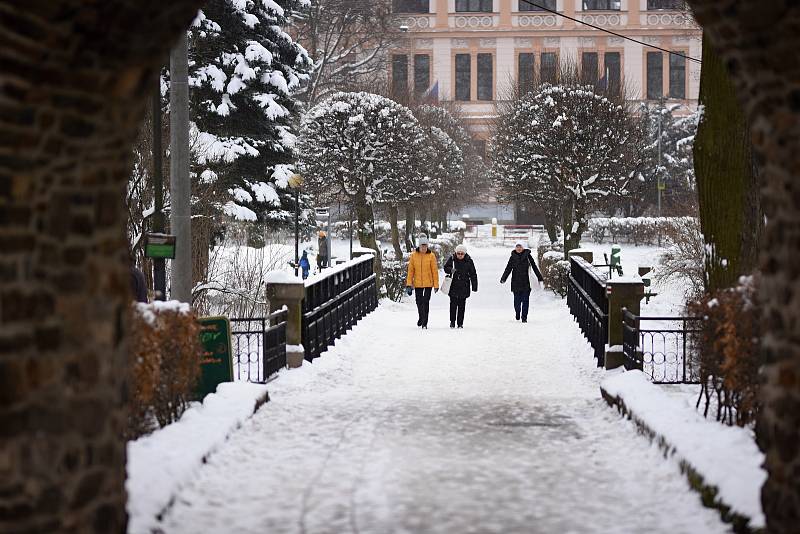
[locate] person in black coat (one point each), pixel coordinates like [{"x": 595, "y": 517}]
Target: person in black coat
[
  {"x": 517, "y": 267},
  {"x": 462, "y": 270}
]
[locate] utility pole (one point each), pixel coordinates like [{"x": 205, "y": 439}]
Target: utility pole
[
  {"x": 159, "y": 264},
  {"x": 180, "y": 185},
  {"x": 658, "y": 173}
]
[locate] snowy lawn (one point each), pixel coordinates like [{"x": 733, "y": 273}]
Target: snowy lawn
[
  {"x": 161, "y": 463},
  {"x": 727, "y": 458},
  {"x": 495, "y": 428}
]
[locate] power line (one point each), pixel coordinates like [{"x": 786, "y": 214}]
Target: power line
[{"x": 543, "y": 8}]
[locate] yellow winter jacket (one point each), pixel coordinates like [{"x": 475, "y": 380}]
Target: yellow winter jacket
[{"x": 423, "y": 271}]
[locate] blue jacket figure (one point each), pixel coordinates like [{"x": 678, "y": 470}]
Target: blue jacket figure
[{"x": 305, "y": 265}]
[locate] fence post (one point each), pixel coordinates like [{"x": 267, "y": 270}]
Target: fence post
[
  {"x": 291, "y": 295},
  {"x": 623, "y": 293},
  {"x": 587, "y": 255}
]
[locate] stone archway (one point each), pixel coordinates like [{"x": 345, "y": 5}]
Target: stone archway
[
  {"x": 74, "y": 78},
  {"x": 758, "y": 42}
]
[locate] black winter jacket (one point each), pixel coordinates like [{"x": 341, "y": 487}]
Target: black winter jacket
[
  {"x": 464, "y": 276},
  {"x": 517, "y": 267}
]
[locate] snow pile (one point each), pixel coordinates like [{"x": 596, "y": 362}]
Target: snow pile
[
  {"x": 727, "y": 458},
  {"x": 281, "y": 277},
  {"x": 150, "y": 310},
  {"x": 161, "y": 463}
]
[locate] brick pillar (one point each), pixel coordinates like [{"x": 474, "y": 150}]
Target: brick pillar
[
  {"x": 291, "y": 295},
  {"x": 73, "y": 87},
  {"x": 621, "y": 294}
]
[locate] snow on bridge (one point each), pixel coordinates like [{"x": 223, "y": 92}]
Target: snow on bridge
[{"x": 498, "y": 427}]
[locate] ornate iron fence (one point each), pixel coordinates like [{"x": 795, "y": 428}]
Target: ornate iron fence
[
  {"x": 259, "y": 346},
  {"x": 335, "y": 301},
  {"x": 663, "y": 354},
  {"x": 588, "y": 303}
]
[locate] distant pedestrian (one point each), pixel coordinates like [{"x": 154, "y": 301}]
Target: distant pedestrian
[
  {"x": 305, "y": 265},
  {"x": 322, "y": 252},
  {"x": 518, "y": 265},
  {"x": 462, "y": 270},
  {"x": 138, "y": 284},
  {"x": 423, "y": 277}
]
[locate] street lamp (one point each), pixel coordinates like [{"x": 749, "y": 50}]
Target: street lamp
[
  {"x": 410, "y": 72},
  {"x": 296, "y": 183}
]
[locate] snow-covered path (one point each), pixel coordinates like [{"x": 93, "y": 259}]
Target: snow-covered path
[{"x": 495, "y": 428}]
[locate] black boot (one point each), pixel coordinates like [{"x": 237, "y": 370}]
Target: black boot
[{"x": 452, "y": 324}]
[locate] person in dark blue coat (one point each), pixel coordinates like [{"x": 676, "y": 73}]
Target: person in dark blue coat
[
  {"x": 462, "y": 270},
  {"x": 305, "y": 265},
  {"x": 518, "y": 265}
]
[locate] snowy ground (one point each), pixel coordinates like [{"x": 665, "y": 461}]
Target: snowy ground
[{"x": 495, "y": 428}]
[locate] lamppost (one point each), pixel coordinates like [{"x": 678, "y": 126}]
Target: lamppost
[
  {"x": 410, "y": 73},
  {"x": 296, "y": 183}
]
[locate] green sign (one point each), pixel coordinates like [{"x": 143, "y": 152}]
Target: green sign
[
  {"x": 216, "y": 364},
  {"x": 662, "y": 186},
  {"x": 159, "y": 246}
]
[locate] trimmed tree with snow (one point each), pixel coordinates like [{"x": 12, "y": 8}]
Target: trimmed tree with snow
[
  {"x": 566, "y": 146},
  {"x": 244, "y": 70},
  {"x": 365, "y": 148}
]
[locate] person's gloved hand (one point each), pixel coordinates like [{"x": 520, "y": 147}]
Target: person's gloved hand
[{"x": 409, "y": 290}]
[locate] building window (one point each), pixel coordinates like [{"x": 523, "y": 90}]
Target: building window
[
  {"x": 537, "y": 5},
  {"x": 483, "y": 6},
  {"x": 549, "y": 67},
  {"x": 677, "y": 77},
  {"x": 655, "y": 76},
  {"x": 601, "y": 5},
  {"x": 589, "y": 68},
  {"x": 525, "y": 72},
  {"x": 399, "y": 75},
  {"x": 422, "y": 73},
  {"x": 410, "y": 6},
  {"x": 672, "y": 5},
  {"x": 485, "y": 77},
  {"x": 613, "y": 71},
  {"x": 463, "y": 77}
]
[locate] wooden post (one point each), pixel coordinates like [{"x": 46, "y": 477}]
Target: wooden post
[
  {"x": 587, "y": 255},
  {"x": 622, "y": 293},
  {"x": 291, "y": 295}
]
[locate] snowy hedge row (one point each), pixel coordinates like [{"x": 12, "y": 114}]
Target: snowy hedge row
[
  {"x": 383, "y": 230},
  {"x": 636, "y": 230}
]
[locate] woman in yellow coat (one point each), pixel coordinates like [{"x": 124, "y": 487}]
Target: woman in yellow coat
[{"x": 423, "y": 277}]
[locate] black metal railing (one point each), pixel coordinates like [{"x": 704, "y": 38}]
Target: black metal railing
[
  {"x": 664, "y": 353},
  {"x": 588, "y": 303},
  {"x": 259, "y": 346},
  {"x": 335, "y": 301}
]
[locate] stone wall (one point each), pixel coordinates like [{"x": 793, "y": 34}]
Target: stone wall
[
  {"x": 74, "y": 76},
  {"x": 759, "y": 42}
]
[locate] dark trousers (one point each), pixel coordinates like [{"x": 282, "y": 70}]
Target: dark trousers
[
  {"x": 522, "y": 300},
  {"x": 423, "y": 295},
  {"x": 457, "y": 307}
]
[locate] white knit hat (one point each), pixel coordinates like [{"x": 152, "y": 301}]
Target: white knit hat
[
  {"x": 423, "y": 240},
  {"x": 519, "y": 243},
  {"x": 461, "y": 248}
]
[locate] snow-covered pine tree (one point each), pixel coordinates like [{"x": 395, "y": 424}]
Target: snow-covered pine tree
[
  {"x": 365, "y": 148},
  {"x": 244, "y": 69},
  {"x": 677, "y": 159},
  {"x": 569, "y": 146}
]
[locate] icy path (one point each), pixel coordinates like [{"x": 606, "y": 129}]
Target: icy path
[{"x": 495, "y": 428}]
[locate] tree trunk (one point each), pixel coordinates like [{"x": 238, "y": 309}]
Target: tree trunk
[
  {"x": 750, "y": 36},
  {"x": 366, "y": 232},
  {"x": 409, "y": 232},
  {"x": 398, "y": 251},
  {"x": 724, "y": 167},
  {"x": 75, "y": 82},
  {"x": 551, "y": 223},
  {"x": 571, "y": 240}
]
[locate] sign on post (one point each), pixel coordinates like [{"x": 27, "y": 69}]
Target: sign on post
[
  {"x": 216, "y": 363},
  {"x": 159, "y": 246}
]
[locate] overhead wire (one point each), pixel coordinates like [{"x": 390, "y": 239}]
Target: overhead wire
[{"x": 672, "y": 52}]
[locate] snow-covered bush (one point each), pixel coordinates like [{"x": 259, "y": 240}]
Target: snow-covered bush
[
  {"x": 635, "y": 230},
  {"x": 683, "y": 260},
  {"x": 394, "y": 278},
  {"x": 544, "y": 248},
  {"x": 555, "y": 271},
  {"x": 164, "y": 359}
]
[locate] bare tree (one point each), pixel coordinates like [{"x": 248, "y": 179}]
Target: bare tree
[{"x": 347, "y": 40}]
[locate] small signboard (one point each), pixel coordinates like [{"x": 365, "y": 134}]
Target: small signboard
[
  {"x": 159, "y": 246},
  {"x": 662, "y": 186},
  {"x": 216, "y": 363}
]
